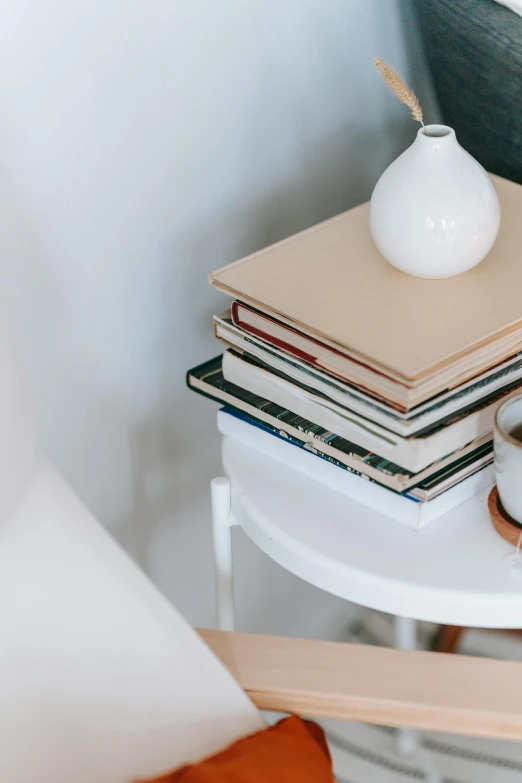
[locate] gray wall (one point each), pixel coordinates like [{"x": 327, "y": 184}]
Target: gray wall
[{"x": 143, "y": 144}]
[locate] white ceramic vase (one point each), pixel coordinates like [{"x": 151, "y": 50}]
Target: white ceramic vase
[{"x": 435, "y": 211}]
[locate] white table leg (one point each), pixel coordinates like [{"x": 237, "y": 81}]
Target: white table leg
[
  {"x": 222, "y": 521},
  {"x": 405, "y": 638}
]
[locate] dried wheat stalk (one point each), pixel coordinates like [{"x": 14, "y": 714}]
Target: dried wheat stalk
[{"x": 400, "y": 88}]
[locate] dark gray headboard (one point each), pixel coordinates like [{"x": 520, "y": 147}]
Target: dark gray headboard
[{"x": 474, "y": 50}]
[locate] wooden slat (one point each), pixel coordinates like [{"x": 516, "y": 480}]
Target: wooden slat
[{"x": 450, "y": 693}]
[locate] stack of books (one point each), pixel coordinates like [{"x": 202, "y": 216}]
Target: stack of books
[{"x": 380, "y": 385}]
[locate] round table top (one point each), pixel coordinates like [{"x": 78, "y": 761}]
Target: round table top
[{"x": 454, "y": 571}]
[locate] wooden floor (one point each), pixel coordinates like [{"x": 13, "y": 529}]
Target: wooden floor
[{"x": 449, "y": 638}]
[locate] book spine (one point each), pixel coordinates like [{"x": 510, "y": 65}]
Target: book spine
[
  {"x": 464, "y": 490},
  {"x": 414, "y": 453},
  {"x": 245, "y": 326},
  {"x": 404, "y": 452},
  {"x": 208, "y": 381}
]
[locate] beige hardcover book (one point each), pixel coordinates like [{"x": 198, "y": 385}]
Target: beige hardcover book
[{"x": 331, "y": 283}]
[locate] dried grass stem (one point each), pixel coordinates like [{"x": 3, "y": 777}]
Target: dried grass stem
[{"x": 399, "y": 87}]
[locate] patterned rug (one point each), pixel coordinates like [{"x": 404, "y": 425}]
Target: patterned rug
[{"x": 368, "y": 754}]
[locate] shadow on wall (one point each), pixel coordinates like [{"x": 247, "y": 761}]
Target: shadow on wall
[
  {"x": 146, "y": 474},
  {"x": 176, "y": 449},
  {"x": 28, "y": 290},
  {"x": 65, "y": 398},
  {"x": 141, "y": 166}
]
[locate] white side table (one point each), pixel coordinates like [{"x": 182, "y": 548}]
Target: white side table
[{"x": 453, "y": 572}]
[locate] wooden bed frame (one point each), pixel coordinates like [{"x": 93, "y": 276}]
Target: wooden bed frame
[{"x": 424, "y": 690}]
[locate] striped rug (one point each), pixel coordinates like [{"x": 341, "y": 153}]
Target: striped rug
[{"x": 368, "y": 754}]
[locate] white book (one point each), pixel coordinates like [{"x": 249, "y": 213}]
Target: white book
[
  {"x": 409, "y": 512},
  {"x": 413, "y": 453}
]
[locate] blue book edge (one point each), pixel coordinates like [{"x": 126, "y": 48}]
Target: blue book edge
[{"x": 256, "y": 423}]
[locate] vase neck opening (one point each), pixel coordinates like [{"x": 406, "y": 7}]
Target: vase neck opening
[
  {"x": 437, "y": 131},
  {"x": 437, "y": 137}
]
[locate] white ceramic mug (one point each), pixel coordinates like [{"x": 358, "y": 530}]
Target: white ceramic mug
[{"x": 508, "y": 455}]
